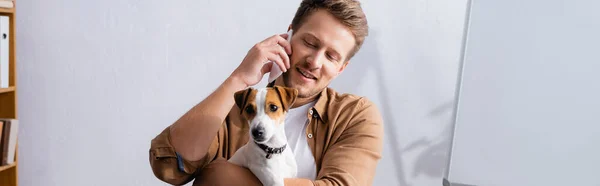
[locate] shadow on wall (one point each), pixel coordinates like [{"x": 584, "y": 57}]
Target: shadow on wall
[{"x": 431, "y": 160}]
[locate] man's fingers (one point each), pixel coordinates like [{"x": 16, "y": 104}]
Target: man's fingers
[
  {"x": 284, "y": 35},
  {"x": 266, "y": 68},
  {"x": 282, "y": 41},
  {"x": 277, "y": 59},
  {"x": 284, "y": 56}
]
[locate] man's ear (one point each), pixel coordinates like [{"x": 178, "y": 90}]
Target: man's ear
[
  {"x": 287, "y": 96},
  {"x": 241, "y": 97},
  {"x": 342, "y": 68}
]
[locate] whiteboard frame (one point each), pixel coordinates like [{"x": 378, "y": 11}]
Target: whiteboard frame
[
  {"x": 448, "y": 183},
  {"x": 467, "y": 23}
]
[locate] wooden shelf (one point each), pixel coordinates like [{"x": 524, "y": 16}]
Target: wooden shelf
[
  {"x": 7, "y": 10},
  {"x": 8, "y": 96},
  {"x": 6, "y": 167},
  {"x": 9, "y": 89}
]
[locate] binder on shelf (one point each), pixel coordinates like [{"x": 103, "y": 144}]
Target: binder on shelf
[
  {"x": 6, "y": 4},
  {"x": 9, "y": 140},
  {"x": 4, "y": 52}
]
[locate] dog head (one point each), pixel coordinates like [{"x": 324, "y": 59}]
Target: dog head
[{"x": 265, "y": 109}]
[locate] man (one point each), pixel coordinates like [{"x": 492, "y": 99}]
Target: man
[{"x": 336, "y": 138}]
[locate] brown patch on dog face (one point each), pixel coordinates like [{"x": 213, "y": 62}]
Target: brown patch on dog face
[
  {"x": 246, "y": 101},
  {"x": 287, "y": 95},
  {"x": 273, "y": 106},
  {"x": 278, "y": 101}
]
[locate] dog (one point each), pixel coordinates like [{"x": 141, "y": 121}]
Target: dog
[{"x": 266, "y": 153}]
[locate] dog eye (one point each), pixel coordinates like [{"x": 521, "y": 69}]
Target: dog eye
[
  {"x": 273, "y": 107},
  {"x": 249, "y": 110}
]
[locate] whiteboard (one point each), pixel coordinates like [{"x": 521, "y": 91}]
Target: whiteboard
[{"x": 528, "y": 99}]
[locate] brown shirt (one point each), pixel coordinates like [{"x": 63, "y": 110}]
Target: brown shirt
[{"x": 344, "y": 132}]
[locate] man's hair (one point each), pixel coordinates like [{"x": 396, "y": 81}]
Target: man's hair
[{"x": 348, "y": 12}]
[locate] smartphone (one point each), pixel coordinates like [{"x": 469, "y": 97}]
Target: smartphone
[
  {"x": 289, "y": 39},
  {"x": 275, "y": 71}
]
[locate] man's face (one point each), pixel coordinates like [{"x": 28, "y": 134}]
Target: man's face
[{"x": 319, "y": 51}]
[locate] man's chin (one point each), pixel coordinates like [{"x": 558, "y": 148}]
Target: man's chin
[
  {"x": 304, "y": 92},
  {"x": 305, "y": 89}
]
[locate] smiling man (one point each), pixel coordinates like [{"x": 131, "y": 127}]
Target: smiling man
[{"x": 336, "y": 138}]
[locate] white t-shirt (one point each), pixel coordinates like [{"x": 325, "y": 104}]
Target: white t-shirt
[{"x": 296, "y": 122}]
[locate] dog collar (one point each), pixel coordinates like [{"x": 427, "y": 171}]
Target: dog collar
[{"x": 270, "y": 150}]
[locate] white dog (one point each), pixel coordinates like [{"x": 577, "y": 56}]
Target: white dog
[{"x": 266, "y": 153}]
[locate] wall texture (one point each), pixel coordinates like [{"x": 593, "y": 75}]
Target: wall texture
[{"x": 99, "y": 79}]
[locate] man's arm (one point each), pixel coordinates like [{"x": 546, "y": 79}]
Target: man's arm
[
  {"x": 192, "y": 134},
  {"x": 194, "y": 131},
  {"x": 353, "y": 157},
  {"x": 219, "y": 173},
  {"x": 183, "y": 147},
  {"x": 172, "y": 159},
  {"x": 297, "y": 182}
]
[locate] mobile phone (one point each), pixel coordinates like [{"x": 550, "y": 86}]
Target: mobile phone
[
  {"x": 289, "y": 39},
  {"x": 275, "y": 71}
]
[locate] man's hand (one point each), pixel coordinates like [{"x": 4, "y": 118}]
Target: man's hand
[{"x": 254, "y": 66}]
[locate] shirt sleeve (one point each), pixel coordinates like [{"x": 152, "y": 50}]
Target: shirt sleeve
[
  {"x": 171, "y": 168},
  {"x": 352, "y": 159}
]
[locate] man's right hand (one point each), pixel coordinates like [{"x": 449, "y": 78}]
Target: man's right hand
[{"x": 254, "y": 66}]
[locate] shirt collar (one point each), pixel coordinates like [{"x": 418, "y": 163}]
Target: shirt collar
[{"x": 321, "y": 105}]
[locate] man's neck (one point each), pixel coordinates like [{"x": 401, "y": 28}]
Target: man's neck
[{"x": 299, "y": 100}]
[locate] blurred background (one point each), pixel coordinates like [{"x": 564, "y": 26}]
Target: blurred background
[{"x": 99, "y": 79}]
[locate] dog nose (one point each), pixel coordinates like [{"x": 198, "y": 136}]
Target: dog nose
[{"x": 258, "y": 133}]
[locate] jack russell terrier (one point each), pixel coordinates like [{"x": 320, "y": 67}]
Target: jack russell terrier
[{"x": 266, "y": 153}]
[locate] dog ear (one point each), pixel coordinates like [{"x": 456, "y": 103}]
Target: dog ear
[
  {"x": 287, "y": 96},
  {"x": 241, "y": 97}
]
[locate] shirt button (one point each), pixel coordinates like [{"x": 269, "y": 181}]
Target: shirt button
[
  {"x": 310, "y": 112},
  {"x": 309, "y": 135}
]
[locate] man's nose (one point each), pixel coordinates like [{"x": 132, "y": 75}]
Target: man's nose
[{"x": 315, "y": 60}]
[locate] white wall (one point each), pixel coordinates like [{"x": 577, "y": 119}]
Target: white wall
[
  {"x": 528, "y": 105},
  {"x": 99, "y": 79}
]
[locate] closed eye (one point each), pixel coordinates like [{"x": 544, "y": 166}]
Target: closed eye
[
  {"x": 309, "y": 44},
  {"x": 331, "y": 57}
]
